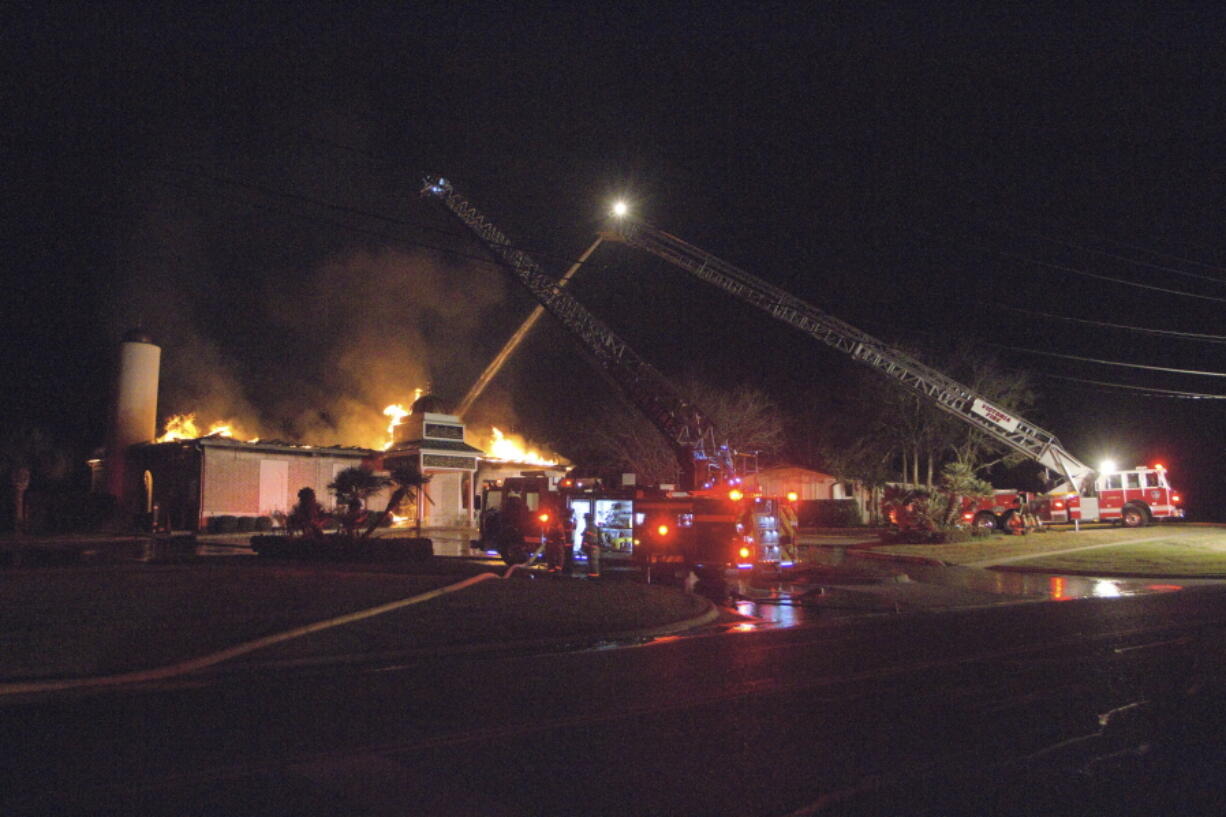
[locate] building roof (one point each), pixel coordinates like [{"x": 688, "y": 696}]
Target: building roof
[
  {"x": 428, "y": 403},
  {"x": 280, "y": 446},
  {"x": 437, "y": 445}
]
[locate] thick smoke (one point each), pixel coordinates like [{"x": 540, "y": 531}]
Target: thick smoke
[
  {"x": 308, "y": 351},
  {"x": 398, "y": 321}
]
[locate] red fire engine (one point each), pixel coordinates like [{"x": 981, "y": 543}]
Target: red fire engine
[{"x": 1133, "y": 498}]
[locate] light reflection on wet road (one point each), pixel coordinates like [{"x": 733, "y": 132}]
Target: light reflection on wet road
[{"x": 837, "y": 584}]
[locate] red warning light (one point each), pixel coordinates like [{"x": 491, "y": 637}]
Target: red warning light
[
  {"x": 744, "y": 553},
  {"x": 736, "y": 495},
  {"x": 793, "y": 496},
  {"x": 662, "y": 530},
  {"x": 544, "y": 517}
]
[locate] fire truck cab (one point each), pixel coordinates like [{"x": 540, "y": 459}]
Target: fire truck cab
[
  {"x": 1133, "y": 498},
  {"x": 519, "y": 514}
]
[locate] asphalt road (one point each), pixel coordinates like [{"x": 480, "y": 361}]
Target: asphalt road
[{"x": 1057, "y": 708}]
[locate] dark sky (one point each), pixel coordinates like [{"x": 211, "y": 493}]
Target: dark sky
[{"x": 244, "y": 185}]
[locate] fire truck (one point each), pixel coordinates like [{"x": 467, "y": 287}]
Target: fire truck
[
  {"x": 674, "y": 532},
  {"x": 708, "y": 524},
  {"x": 1134, "y": 497},
  {"x": 1131, "y": 498},
  {"x": 519, "y": 515}
]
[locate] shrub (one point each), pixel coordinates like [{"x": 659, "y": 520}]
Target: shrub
[
  {"x": 223, "y": 524},
  {"x": 263, "y": 523},
  {"x": 246, "y": 524},
  {"x": 953, "y": 536},
  {"x": 830, "y": 513}
]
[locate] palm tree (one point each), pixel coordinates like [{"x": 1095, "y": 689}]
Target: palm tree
[
  {"x": 353, "y": 486},
  {"x": 409, "y": 483}
]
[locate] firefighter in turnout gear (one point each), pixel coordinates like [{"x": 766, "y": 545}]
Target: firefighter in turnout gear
[{"x": 591, "y": 545}]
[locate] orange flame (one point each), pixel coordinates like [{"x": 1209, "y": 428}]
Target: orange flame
[
  {"x": 502, "y": 447},
  {"x": 397, "y": 412},
  {"x": 185, "y": 427}
]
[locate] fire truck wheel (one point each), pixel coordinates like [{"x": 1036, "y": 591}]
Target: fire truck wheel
[
  {"x": 1135, "y": 516},
  {"x": 985, "y": 521}
]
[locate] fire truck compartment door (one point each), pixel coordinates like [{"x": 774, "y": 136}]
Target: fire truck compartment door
[{"x": 1089, "y": 507}]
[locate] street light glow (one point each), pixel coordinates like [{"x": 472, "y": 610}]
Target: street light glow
[
  {"x": 1107, "y": 467},
  {"x": 620, "y": 208}
]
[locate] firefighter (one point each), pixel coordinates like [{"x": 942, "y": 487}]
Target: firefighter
[
  {"x": 1023, "y": 520},
  {"x": 591, "y": 545},
  {"x": 555, "y": 536},
  {"x": 568, "y": 543},
  {"x": 789, "y": 524}
]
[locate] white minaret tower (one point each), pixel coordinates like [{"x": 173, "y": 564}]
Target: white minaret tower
[{"x": 136, "y": 406}]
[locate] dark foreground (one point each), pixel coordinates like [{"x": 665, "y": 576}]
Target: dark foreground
[{"x": 1087, "y": 707}]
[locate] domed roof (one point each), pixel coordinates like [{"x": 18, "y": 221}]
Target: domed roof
[{"x": 429, "y": 403}]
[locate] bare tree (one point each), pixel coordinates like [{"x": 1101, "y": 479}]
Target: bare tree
[
  {"x": 748, "y": 419},
  {"x": 873, "y": 425}
]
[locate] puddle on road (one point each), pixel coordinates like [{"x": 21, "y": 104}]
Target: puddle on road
[{"x": 841, "y": 584}]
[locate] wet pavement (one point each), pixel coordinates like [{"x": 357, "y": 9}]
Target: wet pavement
[{"x": 836, "y": 582}]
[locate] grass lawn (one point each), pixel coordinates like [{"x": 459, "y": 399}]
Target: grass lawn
[
  {"x": 64, "y": 622},
  {"x": 1160, "y": 550}
]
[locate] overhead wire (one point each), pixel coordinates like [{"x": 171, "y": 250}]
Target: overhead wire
[
  {"x": 979, "y": 203},
  {"x": 1103, "y": 362},
  {"x": 1081, "y": 272},
  {"x": 1123, "y": 258},
  {"x": 1199, "y": 336},
  {"x": 1144, "y": 391}
]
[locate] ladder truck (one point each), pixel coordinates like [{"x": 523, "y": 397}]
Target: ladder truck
[
  {"x": 708, "y": 522},
  {"x": 1133, "y": 497}
]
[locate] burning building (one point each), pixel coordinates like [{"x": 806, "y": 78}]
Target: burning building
[
  {"x": 432, "y": 441},
  {"x": 197, "y": 473},
  {"x": 193, "y": 483}
]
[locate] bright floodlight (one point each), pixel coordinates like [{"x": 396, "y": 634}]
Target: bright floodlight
[
  {"x": 1107, "y": 467},
  {"x": 620, "y": 208}
]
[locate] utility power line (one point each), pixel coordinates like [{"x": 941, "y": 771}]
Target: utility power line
[
  {"x": 1143, "y": 391},
  {"x": 1088, "y": 274},
  {"x": 1140, "y": 329},
  {"x": 1197, "y": 372},
  {"x": 1123, "y": 258}
]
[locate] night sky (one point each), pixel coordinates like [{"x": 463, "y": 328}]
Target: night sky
[{"x": 244, "y": 185}]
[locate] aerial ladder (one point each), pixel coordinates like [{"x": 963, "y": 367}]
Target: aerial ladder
[
  {"x": 944, "y": 392},
  {"x": 705, "y": 462}
]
